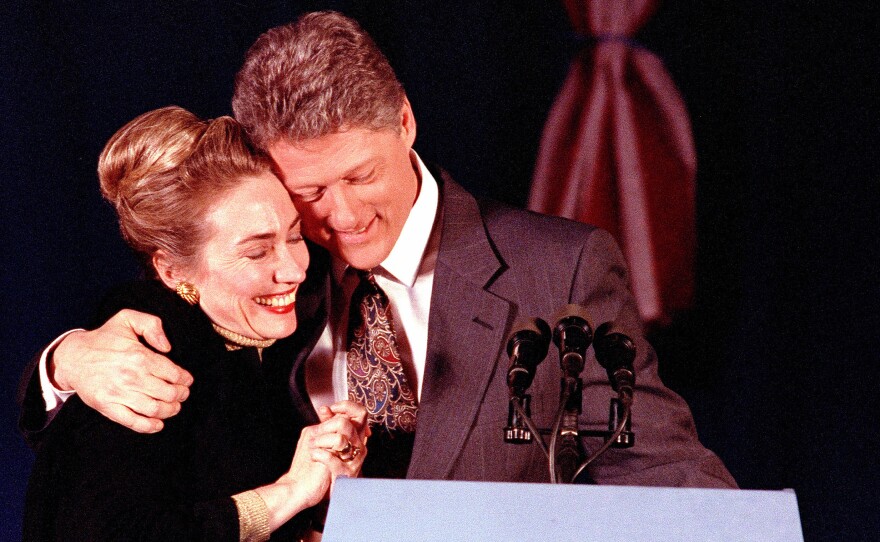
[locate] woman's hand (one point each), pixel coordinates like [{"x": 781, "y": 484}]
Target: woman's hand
[
  {"x": 343, "y": 452},
  {"x": 334, "y": 447},
  {"x": 355, "y": 412},
  {"x": 339, "y": 442}
]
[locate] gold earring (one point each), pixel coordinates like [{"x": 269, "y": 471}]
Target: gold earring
[{"x": 188, "y": 292}]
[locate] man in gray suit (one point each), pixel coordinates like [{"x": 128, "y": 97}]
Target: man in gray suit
[{"x": 320, "y": 98}]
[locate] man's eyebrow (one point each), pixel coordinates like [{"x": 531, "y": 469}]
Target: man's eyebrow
[{"x": 364, "y": 165}]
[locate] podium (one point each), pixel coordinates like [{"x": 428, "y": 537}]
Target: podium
[{"x": 426, "y": 511}]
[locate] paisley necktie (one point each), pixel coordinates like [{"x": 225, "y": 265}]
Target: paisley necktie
[{"x": 376, "y": 378}]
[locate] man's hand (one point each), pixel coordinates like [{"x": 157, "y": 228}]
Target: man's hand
[{"x": 118, "y": 376}]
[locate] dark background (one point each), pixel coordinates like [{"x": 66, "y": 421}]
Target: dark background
[{"x": 779, "y": 358}]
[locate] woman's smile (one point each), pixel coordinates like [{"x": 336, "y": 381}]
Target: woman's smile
[{"x": 278, "y": 303}]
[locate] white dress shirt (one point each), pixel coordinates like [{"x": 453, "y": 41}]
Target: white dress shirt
[
  {"x": 52, "y": 396},
  {"x": 407, "y": 277}
]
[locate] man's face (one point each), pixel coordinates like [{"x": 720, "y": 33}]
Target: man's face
[{"x": 354, "y": 189}]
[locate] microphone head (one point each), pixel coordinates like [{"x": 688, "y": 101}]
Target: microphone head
[
  {"x": 614, "y": 349},
  {"x": 572, "y": 336},
  {"x": 573, "y": 327},
  {"x": 527, "y": 347},
  {"x": 533, "y": 330}
]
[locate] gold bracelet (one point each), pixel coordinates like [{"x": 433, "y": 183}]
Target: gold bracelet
[{"x": 253, "y": 517}]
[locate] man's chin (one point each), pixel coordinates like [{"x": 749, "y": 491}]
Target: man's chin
[{"x": 362, "y": 257}]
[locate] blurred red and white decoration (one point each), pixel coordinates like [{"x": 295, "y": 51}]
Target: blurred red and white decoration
[{"x": 617, "y": 151}]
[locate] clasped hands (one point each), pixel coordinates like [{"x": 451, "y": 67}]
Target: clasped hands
[
  {"x": 334, "y": 447},
  {"x": 341, "y": 436}
]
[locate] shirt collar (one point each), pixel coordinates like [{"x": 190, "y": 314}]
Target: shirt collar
[{"x": 402, "y": 263}]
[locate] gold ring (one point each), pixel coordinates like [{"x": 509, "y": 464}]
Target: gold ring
[{"x": 348, "y": 452}]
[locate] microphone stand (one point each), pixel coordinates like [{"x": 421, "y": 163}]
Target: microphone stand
[
  {"x": 565, "y": 439},
  {"x": 519, "y": 413},
  {"x": 615, "y": 352},
  {"x": 620, "y": 429},
  {"x": 566, "y": 451}
]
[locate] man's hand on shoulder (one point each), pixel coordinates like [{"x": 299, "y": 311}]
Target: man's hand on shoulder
[{"x": 118, "y": 376}]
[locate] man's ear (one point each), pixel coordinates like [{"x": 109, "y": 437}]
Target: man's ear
[
  {"x": 407, "y": 123},
  {"x": 169, "y": 272}
]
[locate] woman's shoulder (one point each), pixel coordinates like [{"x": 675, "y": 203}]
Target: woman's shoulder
[
  {"x": 142, "y": 295},
  {"x": 149, "y": 296},
  {"x": 185, "y": 326}
]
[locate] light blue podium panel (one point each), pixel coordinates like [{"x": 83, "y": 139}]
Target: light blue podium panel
[{"x": 426, "y": 511}]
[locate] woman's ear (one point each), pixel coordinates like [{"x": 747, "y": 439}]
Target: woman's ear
[{"x": 168, "y": 272}]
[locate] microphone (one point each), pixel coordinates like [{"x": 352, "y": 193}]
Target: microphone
[
  {"x": 615, "y": 351},
  {"x": 527, "y": 348},
  {"x": 572, "y": 335}
]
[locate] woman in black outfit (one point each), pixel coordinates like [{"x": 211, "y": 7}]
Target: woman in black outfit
[{"x": 219, "y": 234}]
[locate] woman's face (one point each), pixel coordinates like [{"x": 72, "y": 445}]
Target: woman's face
[{"x": 253, "y": 261}]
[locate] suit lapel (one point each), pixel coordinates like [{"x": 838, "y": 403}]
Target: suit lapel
[{"x": 465, "y": 335}]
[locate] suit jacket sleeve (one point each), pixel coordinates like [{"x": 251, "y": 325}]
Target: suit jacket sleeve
[
  {"x": 667, "y": 449},
  {"x": 497, "y": 264},
  {"x": 32, "y": 418}
]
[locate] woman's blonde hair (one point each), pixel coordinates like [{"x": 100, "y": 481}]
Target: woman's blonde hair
[{"x": 162, "y": 171}]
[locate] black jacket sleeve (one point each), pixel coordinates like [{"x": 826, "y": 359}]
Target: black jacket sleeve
[{"x": 96, "y": 480}]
